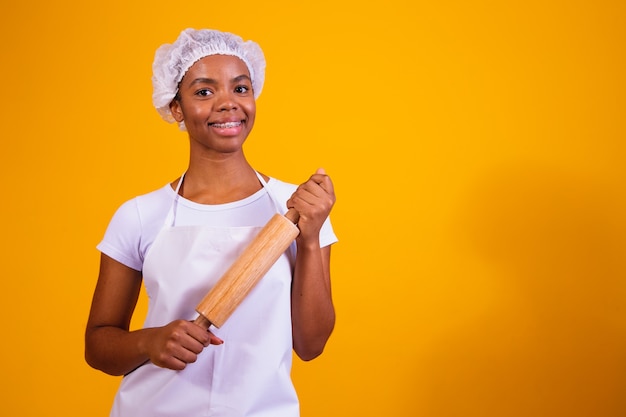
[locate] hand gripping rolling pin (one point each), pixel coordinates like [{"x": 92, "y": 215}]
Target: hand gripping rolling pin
[{"x": 248, "y": 269}]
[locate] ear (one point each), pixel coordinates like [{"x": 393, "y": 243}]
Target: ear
[{"x": 176, "y": 110}]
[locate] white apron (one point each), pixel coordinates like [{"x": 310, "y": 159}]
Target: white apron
[{"x": 249, "y": 375}]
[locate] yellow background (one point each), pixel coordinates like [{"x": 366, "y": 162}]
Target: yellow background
[{"x": 478, "y": 154}]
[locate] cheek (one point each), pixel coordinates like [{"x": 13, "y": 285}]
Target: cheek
[
  {"x": 251, "y": 111},
  {"x": 196, "y": 113}
]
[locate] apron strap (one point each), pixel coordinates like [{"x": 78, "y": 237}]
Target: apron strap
[
  {"x": 277, "y": 205},
  {"x": 170, "y": 219},
  {"x": 281, "y": 209},
  {"x": 180, "y": 183}
]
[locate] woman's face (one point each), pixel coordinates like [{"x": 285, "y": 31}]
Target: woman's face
[{"x": 216, "y": 103}]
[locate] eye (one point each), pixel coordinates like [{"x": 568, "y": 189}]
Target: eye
[
  {"x": 242, "y": 89},
  {"x": 205, "y": 92}
]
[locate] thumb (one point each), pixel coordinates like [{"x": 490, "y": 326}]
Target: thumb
[
  {"x": 321, "y": 171},
  {"x": 214, "y": 340}
]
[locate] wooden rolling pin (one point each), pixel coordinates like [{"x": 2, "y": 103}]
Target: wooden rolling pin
[{"x": 248, "y": 269}]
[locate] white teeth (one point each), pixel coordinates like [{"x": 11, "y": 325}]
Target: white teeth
[{"x": 226, "y": 125}]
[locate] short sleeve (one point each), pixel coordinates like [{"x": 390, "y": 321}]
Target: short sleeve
[
  {"x": 123, "y": 236},
  {"x": 327, "y": 234}
]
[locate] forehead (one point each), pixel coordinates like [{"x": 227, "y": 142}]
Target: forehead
[{"x": 213, "y": 66}]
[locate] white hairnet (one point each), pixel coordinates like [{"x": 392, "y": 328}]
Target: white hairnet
[{"x": 172, "y": 61}]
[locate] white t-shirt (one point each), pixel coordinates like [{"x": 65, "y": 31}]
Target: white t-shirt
[{"x": 137, "y": 222}]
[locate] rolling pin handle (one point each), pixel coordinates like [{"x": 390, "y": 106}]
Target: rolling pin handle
[
  {"x": 292, "y": 215},
  {"x": 202, "y": 322}
]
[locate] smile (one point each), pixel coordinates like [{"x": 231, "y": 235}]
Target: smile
[{"x": 226, "y": 125}]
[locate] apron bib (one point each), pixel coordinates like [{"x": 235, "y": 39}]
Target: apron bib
[{"x": 249, "y": 375}]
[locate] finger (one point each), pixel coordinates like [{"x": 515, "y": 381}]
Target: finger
[
  {"x": 205, "y": 337},
  {"x": 305, "y": 197},
  {"x": 214, "y": 340},
  {"x": 315, "y": 194},
  {"x": 318, "y": 188},
  {"x": 316, "y": 185},
  {"x": 323, "y": 180},
  {"x": 173, "y": 363},
  {"x": 186, "y": 355},
  {"x": 189, "y": 344},
  {"x": 188, "y": 349},
  {"x": 175, "y": 359}
]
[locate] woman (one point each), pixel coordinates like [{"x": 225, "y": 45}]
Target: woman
[{"x": 180, "y": 239}]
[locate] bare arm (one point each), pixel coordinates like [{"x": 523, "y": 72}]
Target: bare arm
[
  {"x": 112, "y": 348},
  {"x": 313, "y": 313}
]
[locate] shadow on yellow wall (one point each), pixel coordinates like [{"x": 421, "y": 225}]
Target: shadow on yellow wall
[{"x": 549, "y": 245}]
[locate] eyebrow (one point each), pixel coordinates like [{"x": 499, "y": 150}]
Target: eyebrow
[
  {"x": 241, "y": 78},
  {"x": 203, "y": 81},
  {"x": 213, "y": 81}
]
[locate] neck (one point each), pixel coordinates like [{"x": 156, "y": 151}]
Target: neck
[{"x": 219, "y": 181}]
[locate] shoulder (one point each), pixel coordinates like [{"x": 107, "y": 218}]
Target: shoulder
[
  {"x": 154, "y": 204},
  {"x": 145, "y": 208},
  {"x": 134, "y": 226}
]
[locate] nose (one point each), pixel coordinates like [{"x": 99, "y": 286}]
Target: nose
[{"x": 226, "y": 102}]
